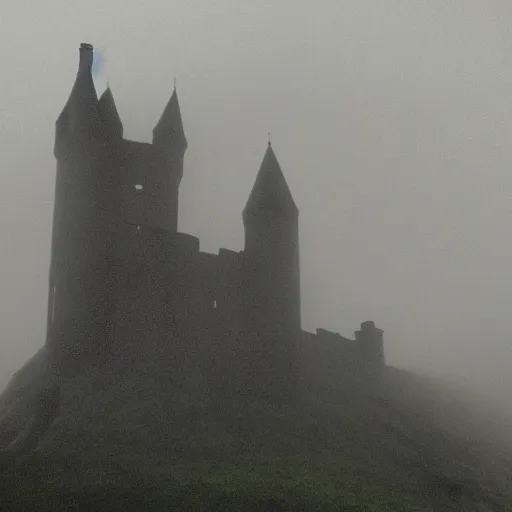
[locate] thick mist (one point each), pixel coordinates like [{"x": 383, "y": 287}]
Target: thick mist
[{"x": 391, "y": 121}]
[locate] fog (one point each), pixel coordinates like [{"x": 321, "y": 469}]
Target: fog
[{"x": 391, "y": 121}]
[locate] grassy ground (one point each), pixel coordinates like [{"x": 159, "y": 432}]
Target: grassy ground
[{"x": 129, "y": 441}]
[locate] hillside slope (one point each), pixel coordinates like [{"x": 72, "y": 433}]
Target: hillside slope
[{"x": 132, "y": 439}]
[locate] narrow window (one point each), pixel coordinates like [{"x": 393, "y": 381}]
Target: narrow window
[
  {"x": 53, "y": 303},
  {"x": 214, "y": 304},
  {"x": 138, "y": 228}
]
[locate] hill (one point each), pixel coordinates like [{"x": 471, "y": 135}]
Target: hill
[{"x": 133, "y": 439}]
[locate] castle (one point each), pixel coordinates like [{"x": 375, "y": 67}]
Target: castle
[{"x": 123, "y": 281}]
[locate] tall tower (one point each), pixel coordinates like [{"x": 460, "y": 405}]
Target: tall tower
[
  {"x": 272, "y": 275},
  {"x": 83, "y": 253},
  {"x": 106, "y": 189},
  {"x": 169, "y": 139}
]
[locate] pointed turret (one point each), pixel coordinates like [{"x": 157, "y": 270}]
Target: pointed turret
[
  {"x": 80, "y": 114},
  {"x": 270, "y": 193},
  {"x": 272, "y": 278},
  {"x": 109, "y": 115},
  {"x": 170, "y": 142},
  {"x": 168, "y": 132}
]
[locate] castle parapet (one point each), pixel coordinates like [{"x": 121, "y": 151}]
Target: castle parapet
[
  {"x": 328, "y": 349},
  {"x": 371, "y": 342},
  {"x": 336, "y": 348}
]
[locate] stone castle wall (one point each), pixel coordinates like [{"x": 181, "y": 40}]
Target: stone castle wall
[{"x": 188, "y": 307}]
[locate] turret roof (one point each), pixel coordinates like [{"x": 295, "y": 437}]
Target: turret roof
[
  {"x": 170, "y": 125},
  {"x": 81, "y": 107},
  {"x": 109, "y": 114},
  {"x": 270, "y": 190}
]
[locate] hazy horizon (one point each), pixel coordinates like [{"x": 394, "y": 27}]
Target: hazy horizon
[{"x": 391, "y": 122}]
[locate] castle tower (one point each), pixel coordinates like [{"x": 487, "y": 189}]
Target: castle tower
[
  {"x": 272, "y": 277},
  {"x": 169, "y": 139},
  {"x": 81, "y": 289},
  {"x": 107, "y": 188}
]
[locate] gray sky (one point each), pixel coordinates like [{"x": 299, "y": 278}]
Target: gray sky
[{"x": 391, "y": 121}]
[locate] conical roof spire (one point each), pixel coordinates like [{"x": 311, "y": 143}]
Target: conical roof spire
[
  {"x": 80, "y": 112},
  {"x": 169, "y": 129},
  {"x": 270, "y": 192},
  {"x": 109, "y": 114}
]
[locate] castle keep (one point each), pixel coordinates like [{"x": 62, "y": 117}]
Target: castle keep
[{"x": 123, "y": 281}]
